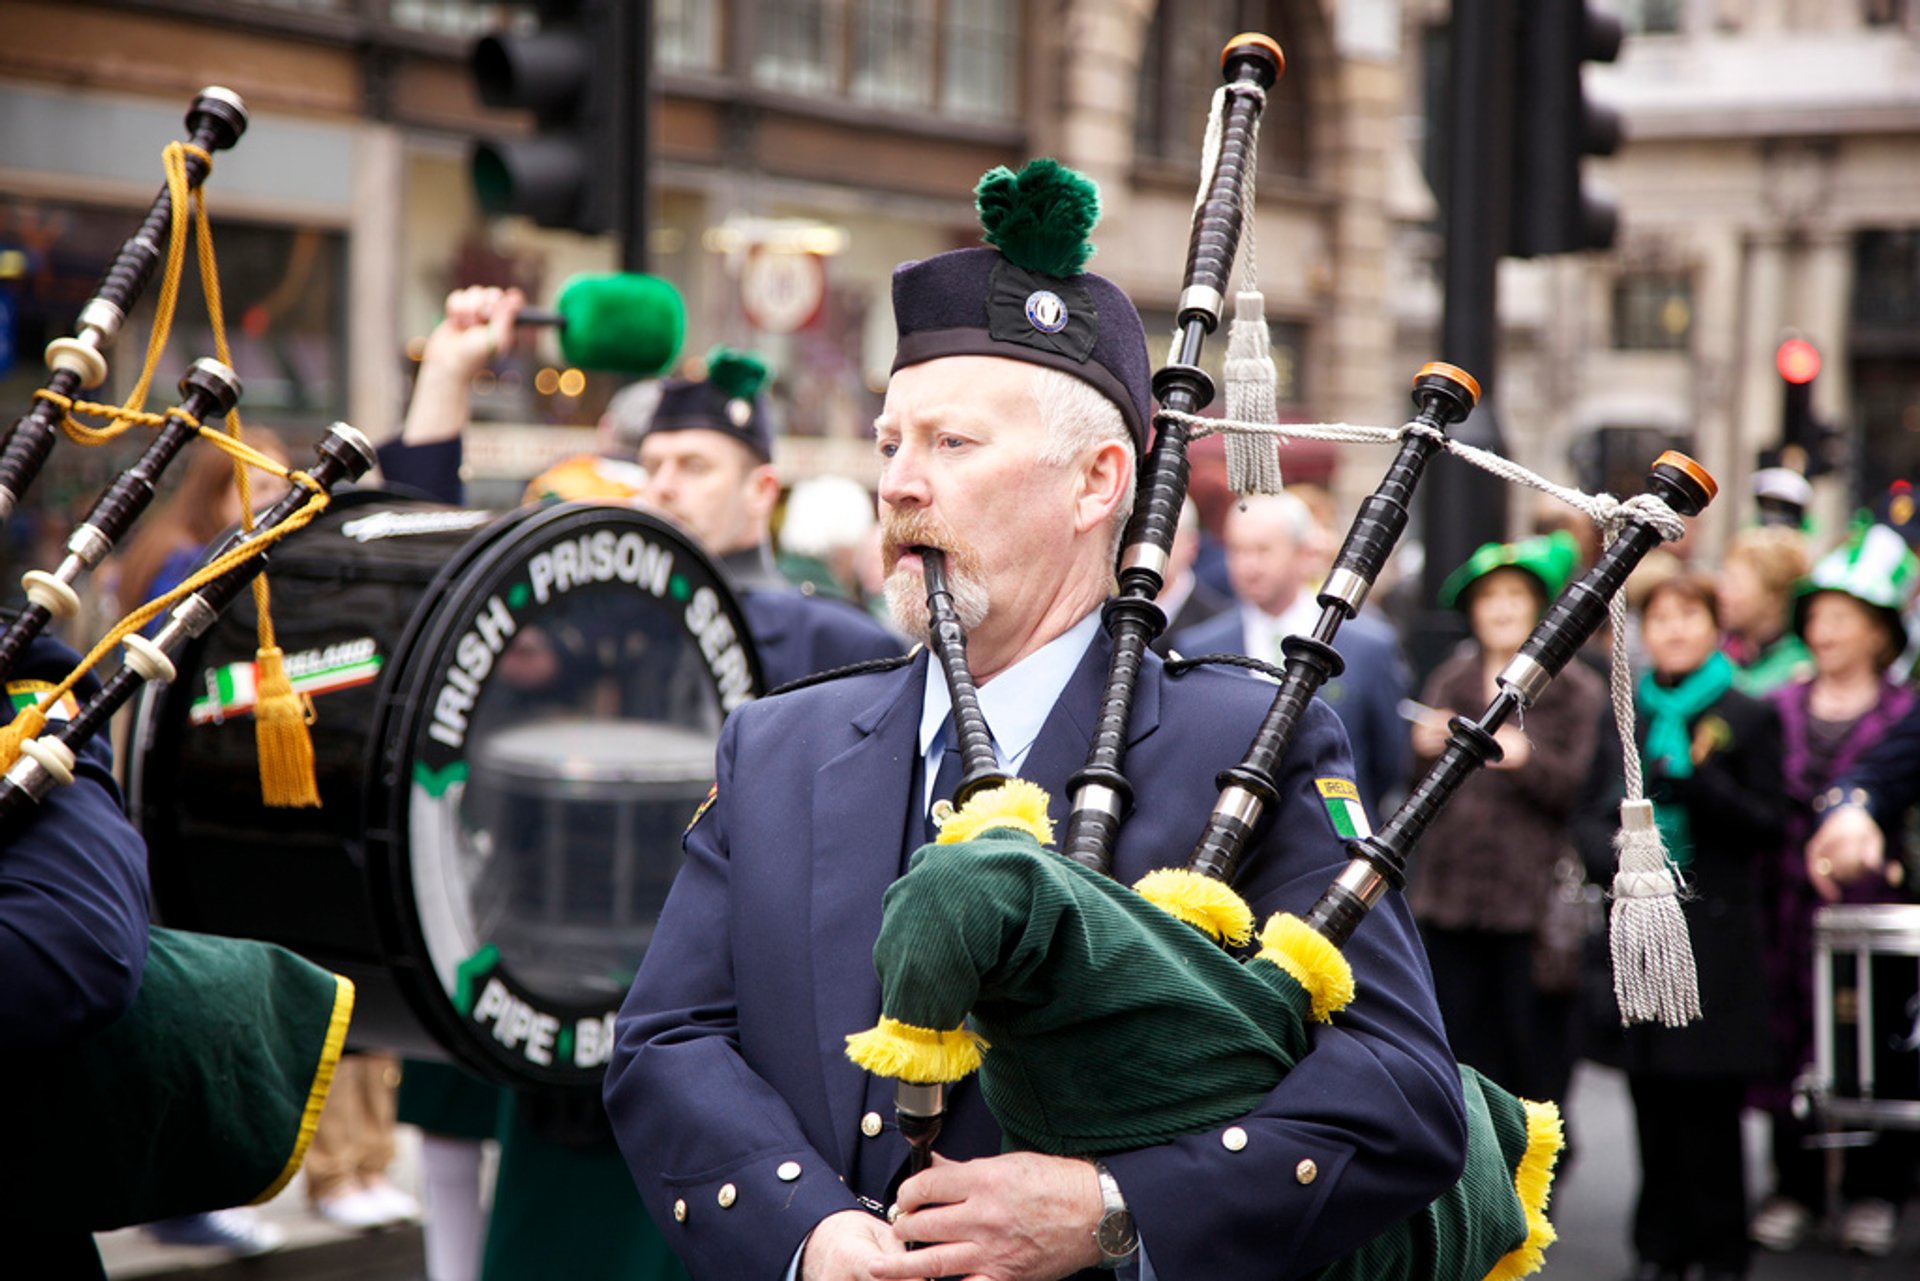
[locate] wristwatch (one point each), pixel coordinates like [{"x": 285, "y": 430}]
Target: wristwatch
[{"x": 1115, "y": 1236}]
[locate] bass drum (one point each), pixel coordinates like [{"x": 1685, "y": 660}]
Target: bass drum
[{"x": 514, "y": 722}]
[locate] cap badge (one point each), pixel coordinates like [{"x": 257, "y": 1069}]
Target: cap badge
[
  {"x": 739, "y": 411},
  {"x": 1046, "y": 311}
]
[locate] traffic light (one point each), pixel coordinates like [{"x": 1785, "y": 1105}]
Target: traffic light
[
  {"x": 582, "y": 75},
  {"x": 1809, "y": 445},
  {"x": 1555, "y": 123}
]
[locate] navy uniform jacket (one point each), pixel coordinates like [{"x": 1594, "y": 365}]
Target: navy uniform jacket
[
  {"x": 795, "y": 633},
  {"x": 73, "y": 896},
  {"x": 745, "y": 1124},
  {"x": 1366, "y": 698}
]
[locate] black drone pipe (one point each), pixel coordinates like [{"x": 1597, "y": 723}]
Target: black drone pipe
[{"x": 215, "y": 122}]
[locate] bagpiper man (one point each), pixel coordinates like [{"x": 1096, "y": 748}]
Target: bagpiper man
[{"x": 1013, "y": 424}]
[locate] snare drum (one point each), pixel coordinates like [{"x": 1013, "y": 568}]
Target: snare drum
[
  {"x": 1867, "y": 1013},
  {"x": 515, "y": 719}
]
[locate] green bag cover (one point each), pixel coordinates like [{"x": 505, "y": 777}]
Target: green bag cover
[
  {"x": 1067, "y": 974},
  {"x": 1028, "y": 942},
  {"x": 204, "y": 1095}
]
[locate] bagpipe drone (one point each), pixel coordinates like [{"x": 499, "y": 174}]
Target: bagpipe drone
[{"x": 1181, "y": 1032}]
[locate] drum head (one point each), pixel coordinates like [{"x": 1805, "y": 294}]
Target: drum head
[
  {"x": 550, "y": 741},
  {"x": 540, "y": 735}
]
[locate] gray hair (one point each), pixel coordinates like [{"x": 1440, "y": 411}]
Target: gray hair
[{"x": 1077, "y": 418}]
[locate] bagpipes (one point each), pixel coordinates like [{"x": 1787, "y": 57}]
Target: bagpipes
[
  {"x": 207, "y": 1091},
  {"x": 1192, "y": 1037}
]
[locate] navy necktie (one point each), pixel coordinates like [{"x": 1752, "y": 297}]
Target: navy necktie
[{"x": 945, "y": 780}]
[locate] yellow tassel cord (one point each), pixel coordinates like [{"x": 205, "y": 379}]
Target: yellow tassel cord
[
  {"x": 336, "y": 1040},
  {"x": 918, "y": 1054},
  {"x": 1207, "y": 904},
  {"x": 1533, "y": 1181},
  {"x": 281, "y": 716},
  {"x": 1315, "y": 964},
  {"x": 17, "y": 732},
  {"x": 280, "y": 719},
  {"x": 26, "y": 723},
  {"x": 1016, "y": 804}
]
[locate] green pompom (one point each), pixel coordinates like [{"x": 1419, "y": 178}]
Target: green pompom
[
  {"x": 737, "y": 373},
  {"x": 1039, "y": 218}
]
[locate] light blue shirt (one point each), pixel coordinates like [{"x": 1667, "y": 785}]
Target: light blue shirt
[{"x": 1015, "y": 704}]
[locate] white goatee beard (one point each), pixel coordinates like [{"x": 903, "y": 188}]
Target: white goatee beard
[{"x": 907, "y": 601}]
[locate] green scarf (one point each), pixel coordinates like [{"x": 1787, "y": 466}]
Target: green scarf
[{"x": 1668, "y": 710}]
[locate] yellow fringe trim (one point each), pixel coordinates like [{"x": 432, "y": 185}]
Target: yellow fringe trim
[
  {"x": 1315, "y": 963},
  {"x": 280, "y": 719},
  {"x": 1207, "y": 904},
  {"x": 1016, "y": 803},
  {"x": 918, "y": 1054},
  {"x": 330, "y": 1048},
  {"x": 1533, "y": 1181}
]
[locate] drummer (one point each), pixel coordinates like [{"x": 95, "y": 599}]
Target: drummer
[
  {"x": 708, "y": 457},
  {"x": 1011, "y": 432}
]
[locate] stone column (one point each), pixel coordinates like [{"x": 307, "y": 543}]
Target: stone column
[{"x": 375, "y": 390}]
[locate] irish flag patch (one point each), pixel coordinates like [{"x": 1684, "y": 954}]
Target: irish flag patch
[
  {"x": 1342, "y": 800},
  {"x": 24, "y": 694}
]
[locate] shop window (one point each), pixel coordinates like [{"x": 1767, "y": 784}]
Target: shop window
[
  {"x": 1887, "y": 279},
  {"x": 1180, "y": 70},
  {"x": 956, "y": 57},
  {"x": 799, "y": 45},
  {"x": 1652, "y": 311},
  {"x": 978, "y": 42},
  {"x": 283, "y": 290},
  {"x": 686, "y": 35},
  {"x": 892, "y": 50}
]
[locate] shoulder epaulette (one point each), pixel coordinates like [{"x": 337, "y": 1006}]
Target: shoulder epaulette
[{"x": 851, "y": 669}]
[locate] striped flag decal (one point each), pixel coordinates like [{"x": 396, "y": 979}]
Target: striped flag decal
[{"x": 1342, "y": 800}]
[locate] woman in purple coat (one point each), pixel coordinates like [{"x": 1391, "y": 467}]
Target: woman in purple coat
[{"x": 1848, "y": 613}]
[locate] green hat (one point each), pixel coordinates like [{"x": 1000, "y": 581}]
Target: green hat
[
  {"x": 1550, "y": 558},
  {"x": 1875, "y": 567}
]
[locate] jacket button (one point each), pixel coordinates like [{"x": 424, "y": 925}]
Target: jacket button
[
  {"x": 1233, "y": 1138},
  {"x": 871, "y": 1124},
  {"x": 680, "y": 1210},
  {"x": 788, "y": 1171},
  {"x": 727, "y": 1195},
  {"x": 1306, "y": 1171}
]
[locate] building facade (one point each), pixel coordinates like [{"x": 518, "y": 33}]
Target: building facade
[
  {"x": 801, "y": 148},
  {"x": 1768, "y": 187}
]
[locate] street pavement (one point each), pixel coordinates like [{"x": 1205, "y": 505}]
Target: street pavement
[{"x": 1592, "y": 1203}]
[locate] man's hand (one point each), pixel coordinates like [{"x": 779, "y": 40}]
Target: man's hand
[
  {"x": 845, "y": 1246},
  {"x": 1017, "y": 1217},
  {"x": 1845, "y": 847},
  {"x": 477, "y": 327}
]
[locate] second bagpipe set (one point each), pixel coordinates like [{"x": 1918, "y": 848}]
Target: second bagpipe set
[
  {"x": 206, "y": 1092},
  {"x": 1042, "y": 972}
]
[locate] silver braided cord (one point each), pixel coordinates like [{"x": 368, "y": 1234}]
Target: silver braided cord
[{"x": 1654, "y": 975}]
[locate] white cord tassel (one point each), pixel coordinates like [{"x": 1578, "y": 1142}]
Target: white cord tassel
[
  {"x": 1253, "y": 458},
  {"x": 1653, "y": 973}
]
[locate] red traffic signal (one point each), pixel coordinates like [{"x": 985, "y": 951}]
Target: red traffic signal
[{"x": 1797, "y": 360}]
